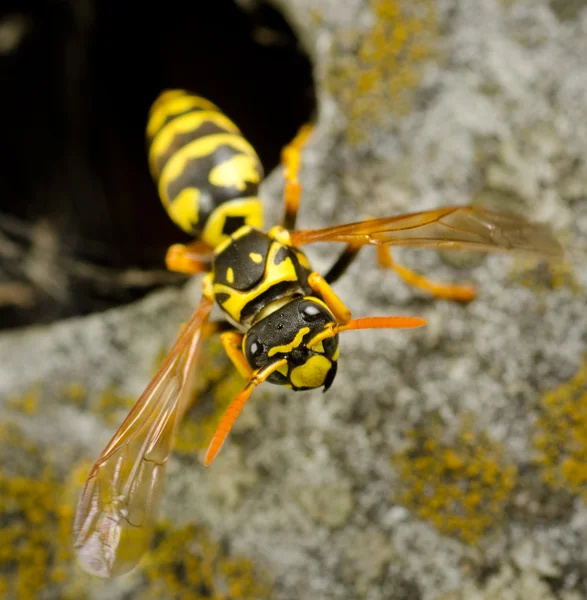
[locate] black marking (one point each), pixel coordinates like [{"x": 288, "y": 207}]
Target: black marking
[
  {"x": 222, "y": 297},
  {"x": 277, "y": 378},
  {"x": 232, "y": 224},
  {"x": 330, "y": 346},
  {"x": 281, "y": 255},
  {"x": 330, "y": 375},
  {"x": 182, "y": 139},
  {"x": 247, "y": 274}
]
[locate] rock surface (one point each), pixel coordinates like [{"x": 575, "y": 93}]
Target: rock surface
[{"x": 444, "y": 463}]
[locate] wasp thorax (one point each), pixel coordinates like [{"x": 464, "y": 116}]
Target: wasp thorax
[{"x": 287, "y": 333}]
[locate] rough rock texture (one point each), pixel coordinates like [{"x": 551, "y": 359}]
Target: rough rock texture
[{"x": 444, "y": 463}]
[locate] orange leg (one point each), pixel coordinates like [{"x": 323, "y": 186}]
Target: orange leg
[
  {"x": 290, "y": 157},
  {"x": 463, "y": 293},
  {"x": 235, "y": 407},
  {"x": 320, "y": 286},
  {"x": 232, "y": 342},
  {"x": 189, "y": 258}
]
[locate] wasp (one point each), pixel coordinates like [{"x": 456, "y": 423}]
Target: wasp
[{"x": 281, "y": 319}]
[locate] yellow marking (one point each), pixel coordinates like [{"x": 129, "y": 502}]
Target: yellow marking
[
  {"x": 230, "y": 275},
  {"x": 303, "y": 260},
  {"x": 185, "y": 124},
  {"x": 236, "y": 172},
  {"x": 256, "y": 257},
  {"x": 208, "y": 286},
  {"x": 336, "y": 354},
  {"x": 283, "y": 370},
  {"x": 167, "y": 95},
  {"x": 204, "y": 146},
  {"x": 280, "y": 234},
  {"x": 319, "y": 347},
  {"x": 312, "y": 373},
  {"x": 184, "y": 209},
  {"x": 284, "y": 271},
  {"x": 271, "y": 308},
  {"x": 249, "y": 208},
  {"x": 293, "y": 344},
  {"x": 171, "y": 103}
]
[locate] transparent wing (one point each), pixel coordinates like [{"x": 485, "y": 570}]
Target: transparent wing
[
  {"x": 452, "y": 228},
  {"x": 117, "y": 509}
]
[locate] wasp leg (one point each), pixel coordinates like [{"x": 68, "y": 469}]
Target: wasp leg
[
  {"x": 290, "y": 158},
  {"x": 463, "y": 293},
  {"x": 191, "y": 258},
  {"x": 321, "y": 287},
  {"x": 233, "y": 342},
  {"x": 342, "y": 263}
]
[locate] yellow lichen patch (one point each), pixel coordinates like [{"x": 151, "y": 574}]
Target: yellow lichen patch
[
  {"x": 462, "y": 487},
  {"x": 543, "y": 277},
  {"x": 375, "y": 74},
  {"x": 36, "y": 554},
  {"x": 75, "y": 393},
  {"x": 561, "y": 437},
  {"x": 187, "y": 564},
  {"x": 35, "y": 530},
  {"x": 111, "y": 403},
  {"x": 28, "y": 403}
]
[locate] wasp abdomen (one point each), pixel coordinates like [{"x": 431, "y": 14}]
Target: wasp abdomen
[{"x": 206, "y": 172}]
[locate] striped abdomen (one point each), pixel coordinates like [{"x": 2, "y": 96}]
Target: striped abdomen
[{"x": 206, "y": 173}]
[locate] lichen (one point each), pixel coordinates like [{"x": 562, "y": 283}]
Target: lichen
[
  {"x": 462, "y": 487},
  {"x": 75, "y": 393},
  {"x": 561, "y": 435},
  {"x": 36, "y": 553},
  {"x": 27, "y": 403},
  {"x": 374, "y": 74},
  {"x": 542, "y": 278},
  {"x": 35, "y": 535},
  {"x": 187, "y": 564},
  {"x": 110, "y": 404}
]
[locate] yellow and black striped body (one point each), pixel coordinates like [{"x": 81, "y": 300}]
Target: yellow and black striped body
[
  {"x": 206, "y": 172},
  {"x": 208, "y": 176}
]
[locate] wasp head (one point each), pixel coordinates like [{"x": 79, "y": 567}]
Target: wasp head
[{"x": 288, "y": 333}]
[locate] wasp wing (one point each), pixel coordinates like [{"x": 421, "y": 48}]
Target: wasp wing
[
  {"x": 452, "y": 228},
  {"x": 117, "y": 509}
]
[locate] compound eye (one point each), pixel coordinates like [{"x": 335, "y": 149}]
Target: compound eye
[
  {"x": 255, "y": 349},
  {"x": 310, "y": 311}
]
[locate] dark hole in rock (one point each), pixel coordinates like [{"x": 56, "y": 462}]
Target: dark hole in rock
[{"x": 78, "y": 208}]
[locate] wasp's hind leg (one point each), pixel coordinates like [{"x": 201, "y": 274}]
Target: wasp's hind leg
[
  {"x": 290, "y": 158},
  {"x": 191, "y": 258},
  {"x": 462, "y": 293},
  {"x": 342, "y": 263}
]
